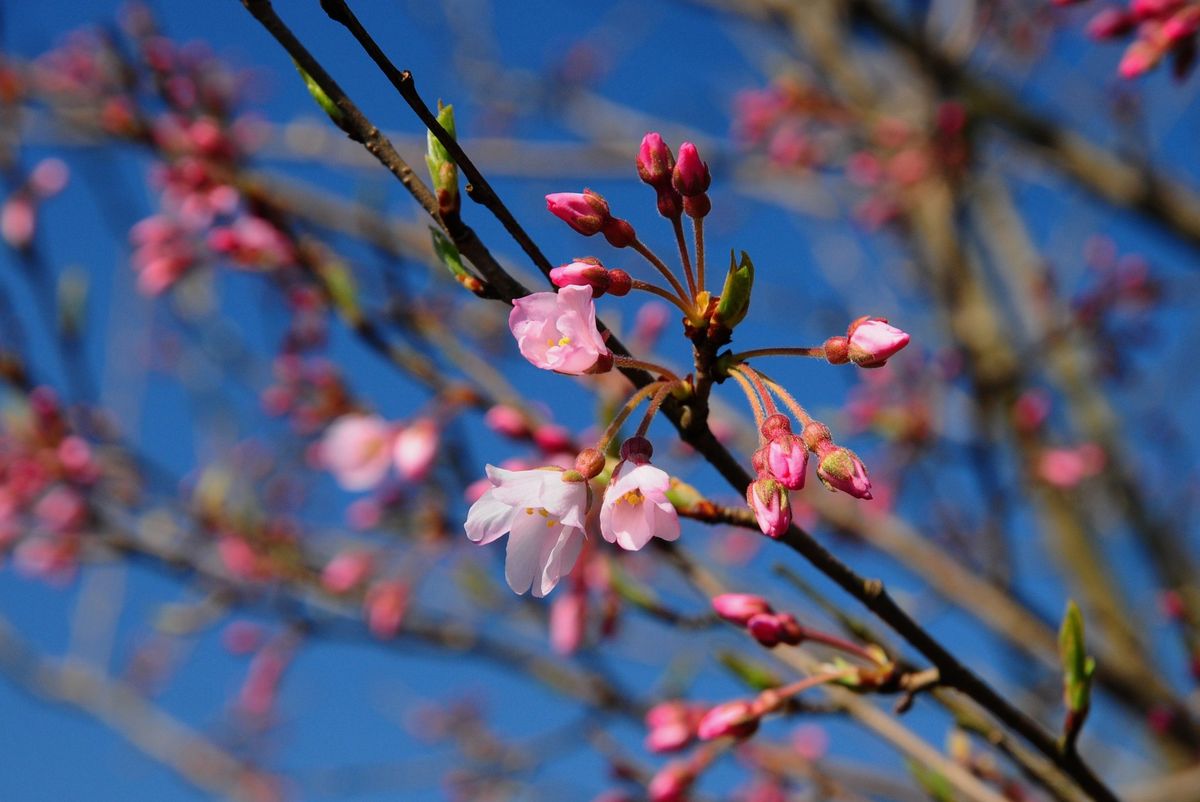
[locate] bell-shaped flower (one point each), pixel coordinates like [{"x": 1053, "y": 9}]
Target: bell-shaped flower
[
  {"x": 543, "y": 516},
  {"x": 557, "y": 331},
  {"x": 636, "y": 507}
]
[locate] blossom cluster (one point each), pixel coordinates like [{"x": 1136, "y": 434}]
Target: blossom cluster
[{"x": 1160, "y": 29}]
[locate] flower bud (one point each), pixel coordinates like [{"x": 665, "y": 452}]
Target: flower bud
[
  {"x": 766, "y": 629},
  {"x": 505, "y": 420},
  {"x": 670, "y": 726},
  {"x": 697, "y": 206},
  {"x": 736, "y": 719},
  {"x": 841, "y": 469},
  {"x": 690, "y": 176},
  {"x": 637, "y": 450},
  {"x": 872, "y": 341},
  {"x": 670, "y": 203},
  {"x": 619, "y": 233},
  {"x": 790, "y": 631},
  {"x": 585, "y": 271},
  {"x": 586, "y": 212},
  {"x": 552, "y": 438},
  {"x": 671, "y": 783},
  {"x": 787, "y": 460},
  {"x": 769, "y": 501},
  {"x": 654, "y": 161},
  {"x": 1110, "y": 24},
  {"x": 619, "y": 283},
  {"x": 739, "y": 608},
  {"x": 590, "y": 463}
]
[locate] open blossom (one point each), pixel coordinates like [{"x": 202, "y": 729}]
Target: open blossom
[
  {"x": 557, "y": 331},
  {"x": 543, "y": 517},
  {"x": 357, "y": 450},
  {"x": 636, "y": 507}
]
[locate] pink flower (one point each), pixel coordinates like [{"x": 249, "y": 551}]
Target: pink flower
[
  {"x": 346, "y": 571},
  {"x": 18, "y": 218},
  {"x": 385, "y": 606},
  {"x": 557, "y": 331},
  {"x": 357, "y": 450},
  {"x": 636, "y": 508},
  {"x": 543, "y": 517},
  {"x": 733, "y": 719},
  {"x": 872, "y": 341},
  {"x": 415, "y": 448},
  {"x": 582, "y": 273},
  {"x": 672, "y": 783},
  {"x": 506, "y": 420},
  {"x": 841, "y": 469},
  {"x": 769, "y": 500},
  {"x": 738, "y": 608}
]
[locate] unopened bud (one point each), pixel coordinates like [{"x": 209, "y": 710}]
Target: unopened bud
[
  {"x": 586, "y": 212},
  {"x": 582, "y": 272},
  {"x": 443, "y": 172},
  {"x": 769, "y": 501},
  {"x": 654, "y": 161},
  {"x": 637, "y": 450},
  {"x": 590, "y": 462},
  {"x": 739, "y": 608},
  {"x": 735, "y": 295},
  {"x": 736, "y": 719},
  {"x": 619, "y": 283},
  {"x": 871, "y": 342},
  {"x": 619, "y": 233},
  {"x": 690, "y": 176},
  {"x": 841, "y": 469},
  {"x": 766, "y": 629}
]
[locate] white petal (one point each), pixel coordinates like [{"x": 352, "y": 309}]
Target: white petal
[
  {"x": 525, "y": 545},
  {"x": 560, "y": 559},
  {"x": 488, "y": 518}
]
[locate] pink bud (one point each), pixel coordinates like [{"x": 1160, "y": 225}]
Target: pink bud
[
  {"x": 766, "y": 628},
  {"x": 48, "y": 177},
  {"x": 1140, "y": 57},
  {"x": 385, "y": 605},
  {"x": 1110, "y": 23},
  {"x": 841, "y": 469},
  {"x": 568, "y": 622},
  {"x": 769, "y": 500},
  {"x": 346, "y": 571},
  {"x": 1182, "y": 25},
  {"x": 18, "y": 218},
  {"x": 670, "y": 726},
  {"x": 787, "y": 460},
  {"x": 553, "y": 439},
  {"x": 582, "y": 272},
  {"x": 671, "y": 783},
  {"x": 690, "y": 176},
  {"x": 619, "y": 233},
  {"x": 654, "y": 161},
  {"x": 872, "y": 341},
  {"x": 738, "y": 608},
  {"x": 506, "y": 420},
  {"x": 586, "y": 212},
  {"x": 415, "y": 448},
  {"x": 736, "y": 719}
]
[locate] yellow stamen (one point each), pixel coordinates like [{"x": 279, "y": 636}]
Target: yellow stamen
[{"x": 632, "y": 498}]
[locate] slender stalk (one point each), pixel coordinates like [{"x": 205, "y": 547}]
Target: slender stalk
[
  {"x": 753, "y": 375},
  {"x": 685, "y": 258},
  {"x": 841, "y": 644},
  {"x": 788, "y": 399},
  {"x": 655, "y": 403},
  {"x": 751, "y": 396},
  {"x": 815, "y": 351},
  {"x": 653, "y": 259},
  {"x": 630, "y": 362},
  {"x": 811, "y": 682},
  {"x": 654, "y": 289},
  {"x": 618, "y": 420},
  {"x": 698, "y": 228}
]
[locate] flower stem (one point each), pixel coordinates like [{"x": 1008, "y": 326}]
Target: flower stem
[
  {"x": 815, "y": 351},
  {"x": 655, "y": 403},
  {"x": 684, "y": 257},
  {"x": 753, "y": 375},
  {"x": 841, "y": 644},
  {"x": 788, "y": 400},
  {"x": 698, "y": 227},
  {"x": 751, "y": 396},
  {"x": 654, "y": 289},
  {"x": 615, "y": 424},
  {"x": 630, "y": 362},
  {"x": 653, "y": 259},
  {"x": 788, "y": 691}
]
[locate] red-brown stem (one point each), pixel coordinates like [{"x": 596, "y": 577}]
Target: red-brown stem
[
  {"x": 841, "y": 644},
  {"x": 630, "y": 362},
  {"x": 815, "y": 351},
  {"x": 788, "y": 400},
  {"x": 751, "y": 396},
  {"x": 684, "y": 257},
  {"x": 751, "y": 374},
  {"x": 614, "y": 425},
  {"x": 654, "y": 289},
  {"x": 653, "y": 259},
  {"x": 655, "y": 403},
  {"x": 698, "y": 227}
]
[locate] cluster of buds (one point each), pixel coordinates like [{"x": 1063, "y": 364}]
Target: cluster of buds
[
  {"x": 756, "y": 616},
  {"x": 671, "y": 726},
  {"x": 309, "y": 391},
  {"x": 588, "y": 213},
  {"x": 19, "y": 212},
  {"x": 1162, "y": 28},
  {"x": 46, "y": 474},
  {"x": 359, "y": 449},
  {"x": 782, "y": 461}
]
